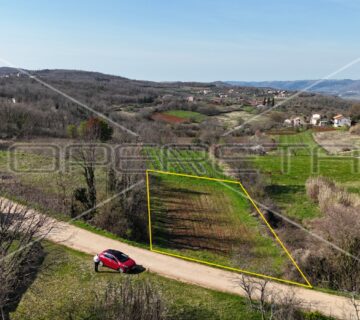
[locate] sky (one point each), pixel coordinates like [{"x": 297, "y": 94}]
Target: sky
[{"x": 185, "y": 40}]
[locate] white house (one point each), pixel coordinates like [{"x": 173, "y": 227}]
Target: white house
[
  {"x": 190, "y": 99},
  {"x": 298, "y": 121},
  {"x": 295, "y": 122},
  {"x": 315, "y": 119},
  {"x": 341, "y": 121},
  {"x": 288, "y": 123}
]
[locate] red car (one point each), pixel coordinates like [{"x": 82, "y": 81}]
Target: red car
[{"x": 115, "y": 260}]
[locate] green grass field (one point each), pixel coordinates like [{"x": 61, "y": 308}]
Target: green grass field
[
  {"x": 65, "y": 287},
  {"x": 301, "y": 144},
  {"x": 287, "y": 174},
  {"x": 191, "y": 115}
]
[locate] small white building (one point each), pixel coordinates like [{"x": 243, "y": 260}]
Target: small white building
[
  {"x": 315, "y": 119},
  {"x": 294, "y": 122},
  {"x": 298, "y": 121},
  {"x": 281, "y": 94},
  {"x": 341, "y": 121},
  {"x": 288, "y": 123},
  {"x": 190, "y": 99}
]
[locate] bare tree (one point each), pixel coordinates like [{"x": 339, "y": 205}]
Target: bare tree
[
  {"x": 356, "y": 305},
  {"x": 20, "y": 233},
  {"x": 133, "y": 205},
  {"x": 270, "y": 304},
  {"x": 63, "y": 192},
  {"x": 85, "y": 156},
  {"x": 258, "y": 296}
]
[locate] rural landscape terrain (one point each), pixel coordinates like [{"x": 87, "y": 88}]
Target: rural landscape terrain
[{"x": 255, "y": 181}]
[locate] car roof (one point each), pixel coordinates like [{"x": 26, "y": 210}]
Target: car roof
[{"x": 112, "y": 251}]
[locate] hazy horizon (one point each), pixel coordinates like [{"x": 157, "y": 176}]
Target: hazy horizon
[{"x": 226, "y": 81}]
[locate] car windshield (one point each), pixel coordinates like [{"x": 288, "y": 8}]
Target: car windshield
[{"x": 122, "y": 257}]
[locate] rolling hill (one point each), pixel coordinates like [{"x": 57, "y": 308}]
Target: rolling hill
[{"x": 346, "y": 88}]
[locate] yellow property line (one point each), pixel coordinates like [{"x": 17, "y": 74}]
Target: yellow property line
[
  {"x": 148, "y": 202},
  {"x": 191, "y": 176},
  {"x": 231, "y": 269},
  {"x": 276, "y": 236},
  {"x": 308, "y": 285}
]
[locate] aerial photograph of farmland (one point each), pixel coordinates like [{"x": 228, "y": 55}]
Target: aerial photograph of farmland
[{"x": 180, "y": 160}]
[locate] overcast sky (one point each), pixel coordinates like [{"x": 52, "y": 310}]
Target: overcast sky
[{"x": 202, "y": 40}]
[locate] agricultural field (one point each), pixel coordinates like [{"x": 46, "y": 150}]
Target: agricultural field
[
  {"x": 178, "y": 116},
  {"x": 232, "y": 119},
  {"x": 211, "y": 221},
  {"x": 287, "y": 175},
  {"x": 301, "y": 144},
  {"x": 167, "y": 118},
  {"x": 67, "y": 287},
  {"x": 188, "y": 160},
  {"x": 338, "y": 142},
  {"x": 189, "y": 115}
]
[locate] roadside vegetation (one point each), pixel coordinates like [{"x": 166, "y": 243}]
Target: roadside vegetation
[
  {"x": 340, "y": 224},
  {"x": 67, "y": 288}
]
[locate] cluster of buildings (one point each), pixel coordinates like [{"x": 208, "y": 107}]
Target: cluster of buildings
[
  {"x": 278, "y": 93},
  {"x": 10, "y": 75},
  {"x": 317, "y": 120}
]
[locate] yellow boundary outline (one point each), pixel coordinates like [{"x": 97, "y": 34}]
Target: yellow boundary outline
[{"x": 307, "y": 285}]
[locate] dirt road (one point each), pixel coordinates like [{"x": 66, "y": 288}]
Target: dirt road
[{"x": 191, "y": 272}]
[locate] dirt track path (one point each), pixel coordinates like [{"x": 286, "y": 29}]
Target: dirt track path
[{"x": 190, "y": 272}]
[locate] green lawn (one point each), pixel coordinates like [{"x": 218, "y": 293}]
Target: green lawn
[
  {"x": 191, "y": 115},
  {"x": 64, "y": 287}
]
